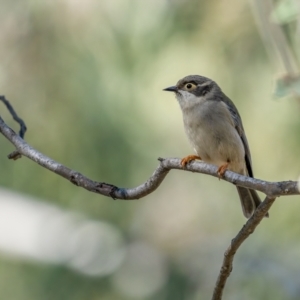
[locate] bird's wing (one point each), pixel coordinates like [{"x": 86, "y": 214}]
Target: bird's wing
[{"x": 240, "y": 129}]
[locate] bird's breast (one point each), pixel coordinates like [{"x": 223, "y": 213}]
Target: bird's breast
[{"x": 212, "y": 134}]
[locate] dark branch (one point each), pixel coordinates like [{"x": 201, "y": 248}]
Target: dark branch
[{"x": 15, "y": 154}]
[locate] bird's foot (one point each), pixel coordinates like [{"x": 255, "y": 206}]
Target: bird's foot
[
  {"x": 189, "y": 158},
  {"x": 221, "y": 170}
]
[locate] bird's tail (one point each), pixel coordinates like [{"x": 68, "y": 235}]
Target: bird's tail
[{"x": 249, "y": 201}]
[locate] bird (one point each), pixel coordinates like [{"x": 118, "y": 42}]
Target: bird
[{"x": 215, "y": 130}]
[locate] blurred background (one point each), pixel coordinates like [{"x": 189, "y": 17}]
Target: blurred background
[{"x": 87, "y": 78}]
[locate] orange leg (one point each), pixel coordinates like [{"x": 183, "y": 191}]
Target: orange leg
[
  {"x": 222, "y": 169},
  {"x": 189, "y": 158}
]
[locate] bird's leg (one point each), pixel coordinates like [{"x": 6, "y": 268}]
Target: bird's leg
[
  {"x": 222, "y": 169},
  {"x": 189, "y": 158}
]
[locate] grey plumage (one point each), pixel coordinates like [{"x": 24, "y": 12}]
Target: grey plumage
[{"x": 215, "y": 130}]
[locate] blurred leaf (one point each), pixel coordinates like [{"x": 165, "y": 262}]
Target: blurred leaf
[
  {"x": 285, "y": 12},
  {"x": 287, "y": 85}
]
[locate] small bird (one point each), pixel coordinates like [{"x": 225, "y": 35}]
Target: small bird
[{"x": 215, "y": 130}]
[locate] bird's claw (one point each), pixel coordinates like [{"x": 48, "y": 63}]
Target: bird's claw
[
  {"x": 188, "y": 159},
  {"x": 221, "y": 170}
]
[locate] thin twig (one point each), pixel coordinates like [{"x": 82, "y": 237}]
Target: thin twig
[
  {"x": 23, "y": 127},
  {"x": 15, "y": 154}
]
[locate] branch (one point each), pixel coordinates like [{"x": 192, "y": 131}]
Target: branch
[
  {"x": 271, "y": 189},
  {"x": 243, "y": 234}
]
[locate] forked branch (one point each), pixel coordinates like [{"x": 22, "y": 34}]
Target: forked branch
[{"x": 271, "y": 189}]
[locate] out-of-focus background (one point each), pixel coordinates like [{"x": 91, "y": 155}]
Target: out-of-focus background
[{"x": 87, "y": 77}]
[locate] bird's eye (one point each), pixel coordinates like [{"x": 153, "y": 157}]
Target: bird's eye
[{"x": 190, "y": 86}]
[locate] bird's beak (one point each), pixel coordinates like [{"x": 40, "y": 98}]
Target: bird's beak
[{"x": 171, "y": 89}]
